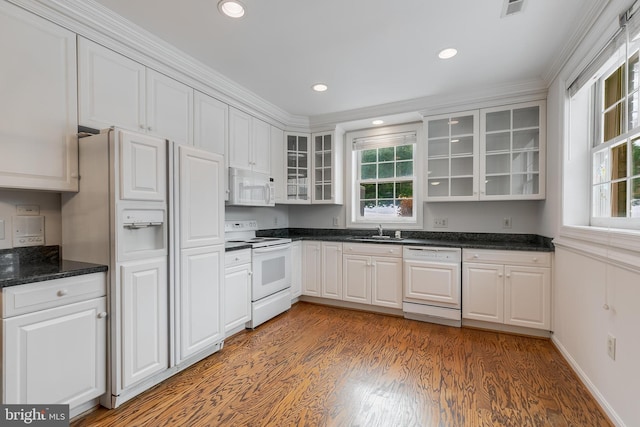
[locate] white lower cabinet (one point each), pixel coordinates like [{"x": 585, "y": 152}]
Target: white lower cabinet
[
  {"x": 237, "y": 290},
  {"x": 331, "y": 277},
  {"x": 508, "y": 287},
  {"x": 54, "y": 341},
  {"x": 322, "y": 269},
  {"x": 311, "y": 268},
  {"x": 372, "y": 274},
  {"x": 296, "y": 267}
]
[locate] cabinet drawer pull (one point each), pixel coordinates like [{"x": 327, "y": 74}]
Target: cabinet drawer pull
[
  {"x": 476, "y": 256},
  {"x": 535, "y": 260},
  {"x": 237, "y": 258},
  {"x": 62, "y": 292},
  {"x": 102, "y": 315}
]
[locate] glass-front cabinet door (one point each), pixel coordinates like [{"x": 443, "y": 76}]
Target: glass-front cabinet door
[
  {"x": 323, "y": 166},
  {"x": 452, "y": 157},
  {"x": 297, "y": 146},
  {"x": 513, "y": 152}
]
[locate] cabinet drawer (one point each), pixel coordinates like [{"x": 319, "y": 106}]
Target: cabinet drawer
[
  {"x": 373, "y": 249},
  {"x": 32, "y": 297},
  {"x": 234, "y": 258},
  {"x": 540, "y": 259}
]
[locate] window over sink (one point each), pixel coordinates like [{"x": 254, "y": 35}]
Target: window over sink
[{"x": 384, "y": 169}]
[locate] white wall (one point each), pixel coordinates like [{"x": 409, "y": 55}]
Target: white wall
[
  {"x": 49, "y": 207},
  {"x": 585, "y": 278},
  {"x": 476, "y": 217},
  {"x": 583, "y": 285}
]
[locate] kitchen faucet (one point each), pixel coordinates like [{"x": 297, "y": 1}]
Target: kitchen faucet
[{"x": 379, "y": 229}]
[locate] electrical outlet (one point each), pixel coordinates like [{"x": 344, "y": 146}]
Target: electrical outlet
[
  {"x": 506, "y": 222},
  {"x": 611, "y": 346},
  {"x": 440, "y": 223},
  {"x": 335, "y": 221}
]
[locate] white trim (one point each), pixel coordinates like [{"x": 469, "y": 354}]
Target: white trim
[
  {"x": 614, "y": 246},
  {"x": 611, "y": 413}
]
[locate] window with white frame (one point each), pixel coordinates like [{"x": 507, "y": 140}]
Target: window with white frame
[
  {"x": 384, "y": 177},
  {"x": 613, "y": 98}
]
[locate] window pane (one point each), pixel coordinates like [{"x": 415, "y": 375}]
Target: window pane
[
  {"x": 601, "y": 167},
  {"x": 526, "y": 117},
  {"x": 635, "y": 198},
  {"x": 368, "y": 171},
  {"x": 619, "y": 199},
  {"x": 438, "y": 128},
  {"x": 601, "y": 200},
  {"x": 404, "y": 168},
  {"x": 291, "y": 143},
  {"x": 404, "y": 189},
  {"x": 385, "y": 170},
  {"x": 619, "y": 161},
  {"x": 404, "y": 152},
  {"x": 613, "y": 87},
  {"x": 613, "y": 122},
  {"x": 302, "y": 143},
  {"x": 500, "y": 120},
  {"x": 634, "y": 69},
  {"x": 635, "y": 162},
  {"x": 384, "y": 209},
  {"x": 632, "y": 112},
  {"x": 369, "y": 156},
  {"x": 385, "y": 191},
  {"x": 368, "y": 191},
  {"x": 461, "y": 125},
  {"x": 405, "y": 207},
  {"x": 385, "y": 154}
]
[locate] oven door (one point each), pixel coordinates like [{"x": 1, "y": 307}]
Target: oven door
[{"x": 271, "y": 270}]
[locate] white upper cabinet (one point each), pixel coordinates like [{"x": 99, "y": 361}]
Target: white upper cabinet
[
  {"x": 513, "y": 152},
  {"x": 249, "y": 142},
  {"x": 111, "y": 88},
  {"x": 452, "y": 157},
  {"x": 39, "y": 103},
  {"x": 277, "y": 164},
  {"x": 326, "y": 169},
  {"x": 169, "y": 108},
  {"x": 210, "y": 123},
  {"x": 489, "y": 154},
  {"x": 116, "y": 91},
  {"x": 297, "y": 167}
]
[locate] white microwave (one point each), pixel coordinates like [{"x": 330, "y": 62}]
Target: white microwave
[{"x": 248, "y": 188}]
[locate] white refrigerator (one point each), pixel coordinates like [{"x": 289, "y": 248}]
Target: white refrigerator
[{"x": 153, "y": 211}]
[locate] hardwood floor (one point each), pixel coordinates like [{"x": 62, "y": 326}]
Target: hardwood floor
[{"x": 323, "y": 366}]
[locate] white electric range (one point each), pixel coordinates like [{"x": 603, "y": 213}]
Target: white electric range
[{"x": 271, "y": 270}]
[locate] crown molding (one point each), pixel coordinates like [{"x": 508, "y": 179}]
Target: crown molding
[
  {"x": 490, "y": 96},
  {"x": 95, "y": 22},
  {"x": 588, "y": 20}
]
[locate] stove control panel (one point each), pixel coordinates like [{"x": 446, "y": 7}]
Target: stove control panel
[{"x": 249, "y": 225}]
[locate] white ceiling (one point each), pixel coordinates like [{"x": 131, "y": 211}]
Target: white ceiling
[{"x": 369, "y": 52}]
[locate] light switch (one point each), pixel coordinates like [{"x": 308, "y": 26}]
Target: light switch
[{"x": 1, "y": 229}]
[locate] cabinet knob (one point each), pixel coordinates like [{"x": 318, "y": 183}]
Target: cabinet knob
[
  {"x": 141, "y": 126},
  {"x": 499, "y": 274},
  {"x": 237, "y": 259},
  {"x": 508, "y": 276},
  {"x": 102, "y": 315},
  {"x": 606, "y": 306},
  {"x": 149, "y": 128},
  {"x": 62, "y": 292},
  {"x": 390, "y": 251},
  {"x": 476, "y": 256},
  {"x": 535, "y": 260},
  {"x": 250, "y": 273}
]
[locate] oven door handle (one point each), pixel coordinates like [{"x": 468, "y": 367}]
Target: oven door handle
[{"x": 268, "y": 249}]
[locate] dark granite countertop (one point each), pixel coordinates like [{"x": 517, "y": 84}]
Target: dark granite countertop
[
  {"x": 236, "y": 246},
  {"x": 500, "y": 241},
  {"x": 19, "y": 266}
]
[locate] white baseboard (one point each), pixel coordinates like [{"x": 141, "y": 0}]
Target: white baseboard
[{"x": 611, "y": 413}]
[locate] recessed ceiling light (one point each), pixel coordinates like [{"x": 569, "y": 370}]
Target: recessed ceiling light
[
  {"x": 231, "y": 8},
  {"x": 377, "y": 122},
  {"x": 447, "y": 53},
  {"x": 319, "y": 87}
]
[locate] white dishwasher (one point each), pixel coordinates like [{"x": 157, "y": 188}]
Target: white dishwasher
[{"x": 432, "y": 287}]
